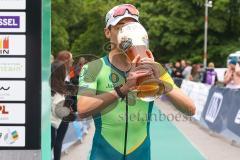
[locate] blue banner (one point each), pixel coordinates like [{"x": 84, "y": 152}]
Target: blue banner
[
  {"x": 219, "y": 104},
  {"x": 233, "y": 117}
]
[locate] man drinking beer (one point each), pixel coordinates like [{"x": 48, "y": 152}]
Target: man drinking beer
[{"x": 107, "y": 89}]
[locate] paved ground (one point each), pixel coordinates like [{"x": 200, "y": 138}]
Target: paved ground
[
  {"x": 213, "y": 148},
  {"x": 79, "y": 151},
  {"x": 199, "y": 141}
]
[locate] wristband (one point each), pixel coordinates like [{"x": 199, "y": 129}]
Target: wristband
[{"x": 119, "y": 92}]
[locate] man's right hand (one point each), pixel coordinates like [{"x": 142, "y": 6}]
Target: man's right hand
[{"x": 135, "y": 73}]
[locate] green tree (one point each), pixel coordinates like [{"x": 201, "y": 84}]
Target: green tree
[{"x": 175, "y": 27}]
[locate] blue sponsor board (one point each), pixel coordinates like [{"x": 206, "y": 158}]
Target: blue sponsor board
[
  {"x": 233, "y": 117},
  {"x": 217, "y": 107}
]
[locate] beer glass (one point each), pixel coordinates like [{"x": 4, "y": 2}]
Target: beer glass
[{"x": 133, "y": 40}]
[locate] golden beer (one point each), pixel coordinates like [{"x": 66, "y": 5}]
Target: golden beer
[{"x": 144, "y": 88}]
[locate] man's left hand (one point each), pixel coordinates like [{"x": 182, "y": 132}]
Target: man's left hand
[{"x": 151, "y": 64}]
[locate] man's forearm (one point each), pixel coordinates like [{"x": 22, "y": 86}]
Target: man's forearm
[
  {"x": 182, "y": 102},
  {"x": 91, "y": 104}
]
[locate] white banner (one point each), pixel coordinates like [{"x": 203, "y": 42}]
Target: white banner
[
  {"x": 13, "y": 4},
  {"x": 13, "y": 136},
  {"x": 12, "y": 113},
  {"x": 12, "y": 67},
  {"x": 12, "y": 90},
  {"x": 12, "y": 45},
  {"x": 12, "y": 22},
  {"x": 198, "y": 92}
]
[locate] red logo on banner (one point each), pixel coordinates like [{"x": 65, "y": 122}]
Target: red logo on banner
[
  {"x": 4, "y": 45},
  {"x": 3, "y": 110}
]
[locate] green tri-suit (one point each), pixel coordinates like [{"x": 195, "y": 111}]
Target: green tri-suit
[{"x": 100, "y": 76}]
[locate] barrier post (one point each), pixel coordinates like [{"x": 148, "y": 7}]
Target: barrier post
[{"x": 46, "y": 103}]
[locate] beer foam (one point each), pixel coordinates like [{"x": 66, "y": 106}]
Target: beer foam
[{"x": 134, "y": 31}]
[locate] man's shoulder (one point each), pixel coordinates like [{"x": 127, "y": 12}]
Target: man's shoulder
[
  {"x": 93, "y": 69},
  {"x": 97, "y": 62}
]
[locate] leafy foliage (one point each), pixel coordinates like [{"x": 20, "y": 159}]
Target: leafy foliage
[{"x": 175, "y": 27}]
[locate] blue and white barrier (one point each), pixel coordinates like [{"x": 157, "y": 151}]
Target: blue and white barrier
[
  {"x": 75, "y": 133},
  {"x": 217, "y": 108}
]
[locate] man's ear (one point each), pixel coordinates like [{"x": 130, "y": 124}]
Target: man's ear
[
  {"x": 149, "y": 54},
  {"x": 107, "y": 33}
]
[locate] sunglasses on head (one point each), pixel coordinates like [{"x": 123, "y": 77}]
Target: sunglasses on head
[{"x": 120, "y": 11}]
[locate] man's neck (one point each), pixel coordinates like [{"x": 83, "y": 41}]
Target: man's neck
[{"x": 119, "y": 60}]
